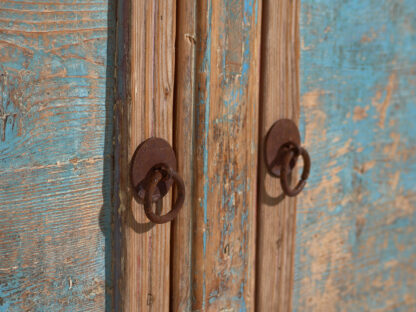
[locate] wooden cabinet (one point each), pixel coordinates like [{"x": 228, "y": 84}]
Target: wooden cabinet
[{"x": 83, "y": 83}]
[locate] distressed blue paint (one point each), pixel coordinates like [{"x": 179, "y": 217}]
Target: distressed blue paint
[
  {"x": 223, "y": 110},
  {"x": 204, "y": 100},
  {"x": 356, "y": 236},
  {"x": 55, "y": 155},
  {"x": 207, "y": 67},
  {"x": 248, "y": 11}
]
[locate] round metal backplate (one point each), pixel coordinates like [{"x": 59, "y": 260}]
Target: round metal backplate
[
  {"x": 149, "y": 154},
  {"x": 283, "y": 131}
]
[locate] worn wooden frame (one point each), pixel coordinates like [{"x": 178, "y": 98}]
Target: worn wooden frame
[
  {"x": 145, "y": 104},
  {"x": 279, "y": 97},
  {"x": 212, "y": 114}
]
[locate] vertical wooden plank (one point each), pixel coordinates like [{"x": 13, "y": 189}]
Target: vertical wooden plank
[
  {"x": 227, "y": 75},
  {"x": 56, "y": 119},
  {"x": 356, "y": 241},
  {"x": 181, "y": 248},
  {"x": 279, "y": 99},
  {"x": 146, "y": 252}
]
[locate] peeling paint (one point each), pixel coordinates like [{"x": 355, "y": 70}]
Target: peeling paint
[
  {"x": 55, "y": 155},
  {"x": 356, "y": 233}
]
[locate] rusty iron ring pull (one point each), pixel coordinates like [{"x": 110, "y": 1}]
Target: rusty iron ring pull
[
  {"x": 152, "y": 174},
  {"x": 157, "y": 175},
  {"x": 291, "y": 154},
  {"x": 282, "y": 150}
]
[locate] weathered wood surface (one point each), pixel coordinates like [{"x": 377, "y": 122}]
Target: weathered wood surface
[
  {"x": 227, "y": 81},
  {"x": 356, "y": 228},
  {"x": 181, "y": 246},
  {"x": 55, "y": 155},
  {"x": 279, "y": 98},
  {"x": 146, "y": 246}
]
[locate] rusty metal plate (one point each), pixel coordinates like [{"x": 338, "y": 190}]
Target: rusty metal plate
[
  {"x": 283, "y": 132},
  {"x": 150, "y": 154}
]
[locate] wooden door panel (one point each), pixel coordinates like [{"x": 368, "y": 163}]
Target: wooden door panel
[
  {"x": 225, "y": 170},
  {"x": 279, "y": 98},
  {"x": 55, "y": 155},
  {"x": 147, "y": 110},
  {"x": 356, "y": 234}
]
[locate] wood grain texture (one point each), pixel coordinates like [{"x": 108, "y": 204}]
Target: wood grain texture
[
  {"x": 356, "y": 228},
  {"x": 146, "y": 247},
  {"x": 279, "y": 96},
  {"x": 225, "y": 171},
  {"x": 181, "y": 247},
  {"x": 55, "y": 155}
]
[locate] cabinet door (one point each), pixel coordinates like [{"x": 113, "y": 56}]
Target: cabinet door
[
  {"x": 356, "y": 234},
  {"x": 56, "y": 126},
  {"x": 82, "y": 84}
]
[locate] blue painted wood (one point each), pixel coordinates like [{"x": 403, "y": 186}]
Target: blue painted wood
[
  {"x": 356, "y": 222},
  {"x": 56, "y": 103},
  {"x": 227, "y": 75}
]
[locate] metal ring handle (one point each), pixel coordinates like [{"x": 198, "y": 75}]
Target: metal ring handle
[
  {"x": 155, "y": 177},
  {"x": 294, "y": 151}
]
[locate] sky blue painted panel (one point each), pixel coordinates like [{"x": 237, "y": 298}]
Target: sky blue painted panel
[
  {"x": 56, "y": 100},
  {"x": 356, "y": 222}
]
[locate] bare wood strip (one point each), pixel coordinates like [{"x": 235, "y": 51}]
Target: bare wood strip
[
  {"x": 146, "y": 252},
  {"x": 184, "y": 129},
  {"x": 280, "y": 99},
  {"x": 224, "y": 202}
]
